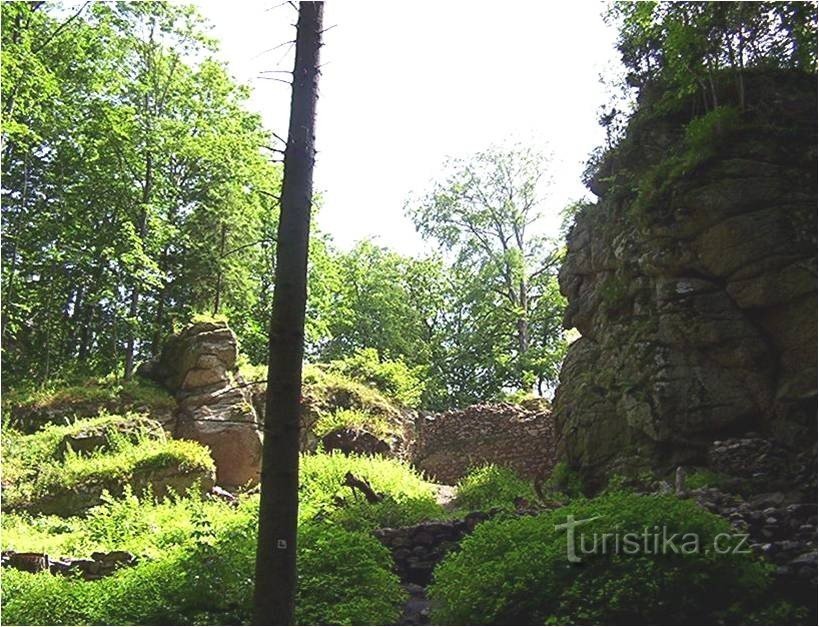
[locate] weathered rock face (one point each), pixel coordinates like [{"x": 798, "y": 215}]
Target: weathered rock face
[
  {"x": 448, "y": 445},
  {"x": 696, "y": 300},
  {"x": 198, "y": 366}
]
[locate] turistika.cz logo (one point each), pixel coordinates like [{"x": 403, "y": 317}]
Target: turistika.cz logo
[{"x": 654, "y": 540}]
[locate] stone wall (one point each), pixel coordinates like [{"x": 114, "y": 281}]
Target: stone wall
[
  {"x": 695, "y": 294},
  {"x": 447, "y": 445},
  {"x": 417, "y": 549}
]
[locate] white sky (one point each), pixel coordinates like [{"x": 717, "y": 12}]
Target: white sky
[{"x": 406, "y": 84}]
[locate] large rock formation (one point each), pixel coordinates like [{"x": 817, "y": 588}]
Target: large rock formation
[
  {"x": 448, "y": 445},
  {"x": 693, "y": 283},
  {"x": 199, "y": 367}
]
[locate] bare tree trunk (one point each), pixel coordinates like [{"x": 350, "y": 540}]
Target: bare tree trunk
[{"x": 275, "y": 591}]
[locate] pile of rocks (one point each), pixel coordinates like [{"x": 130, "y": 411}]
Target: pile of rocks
[
  {"x": 768, "y": 491},
  {"x": 98, "y": 566},
  {"x": 783, "y": 532},
  {"x": 764, "y": 463},
  {"x": 416, "y": 550},
  {"x": 447, "y": 445}
]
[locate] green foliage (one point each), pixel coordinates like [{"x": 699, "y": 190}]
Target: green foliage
[
  {"x": 515, "y": 571},
  {"x": 683, "y": 44},
  {"x": 198, "y": 556},
  {"x": 345, "y": 578},
  {"x": 492, "y": 486},
  {"x": 42, "y": 465},
  {"x": 136, "y": 177},
  {"x": 392, "y": 377},
  {"x": 564, "y": 480},
  {"x": 408, "y": 497},
  {"x": 501, "y": 323},
  {"x": 703, "y": 137},
  {"x": 704, "y": 478},
  {"x": 106, "y": 392},
  {"x": 328, "y": 392},
  {"x": 356, "y": 420}
]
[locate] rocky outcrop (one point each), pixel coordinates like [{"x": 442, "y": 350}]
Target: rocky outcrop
[
  {"x": 693, "y": 284},
  {"x": 352, "y": 441},
  {"x": 214, "y": 408},
  {"x": 172, "y": 478},
  {"x": 449, "y": 444}
]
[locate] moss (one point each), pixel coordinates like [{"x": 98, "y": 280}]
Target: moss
[
  {"x": 40, "y": 467},
  {"x": 705, "y": 478},
  {"x": 29, "y": 408}
]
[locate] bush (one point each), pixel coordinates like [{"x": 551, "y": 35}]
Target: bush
[
  {"x": 516, "y": 571},
  {"x": 490, "y": 487},
  {"x": 391, "y": 377},
  {"x": 345, "y": 578}
]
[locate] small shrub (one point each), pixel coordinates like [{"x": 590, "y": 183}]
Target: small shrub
[
  {"x": 704, "y": 478},
  {"x": 516, "y": 571},
  {"x": 391, "y": 377},
  {"x": 492, "y": 486}
]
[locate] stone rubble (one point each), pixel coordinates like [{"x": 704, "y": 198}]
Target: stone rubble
[{"x": 99, "y": 565}]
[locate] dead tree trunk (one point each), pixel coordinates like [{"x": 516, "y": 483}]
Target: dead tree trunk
[{"x": 274, "y": 594}]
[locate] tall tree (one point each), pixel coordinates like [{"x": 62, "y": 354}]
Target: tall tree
[
  {"x": 275, "y": 591},
  {"x": 486, "y": 213}
]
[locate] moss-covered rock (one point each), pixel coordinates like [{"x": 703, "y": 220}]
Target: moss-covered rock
[
  {"x": 43, "y": 473},
  {"x": 29, "y": 410},
  {"x": 693, "y": 283}
]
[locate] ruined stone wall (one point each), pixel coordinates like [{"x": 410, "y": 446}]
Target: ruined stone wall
[
  {"x": 447, "y": 445},
  {"x": 693, "y": 284}
]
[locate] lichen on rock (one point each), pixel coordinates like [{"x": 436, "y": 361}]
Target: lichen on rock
[{"x": 692, "y": 281}]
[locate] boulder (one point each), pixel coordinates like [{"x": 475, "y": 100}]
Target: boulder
[
  {"x": 354, "y": 441},
  {"x": 214, "y": 407}
]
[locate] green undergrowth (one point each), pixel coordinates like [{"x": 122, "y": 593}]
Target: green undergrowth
[
  {"x": 517, "y": 570},
  {"x": 407, "y": 497},
  {"x": 137, "y": 391},
  {"x": 490, "y": 487},
  {"x": 344, "y": 578},
  {"x": 42, "y": 465},
  {"x": 197, "y": 555}
]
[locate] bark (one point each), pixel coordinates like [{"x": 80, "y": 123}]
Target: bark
[{"x": 274, "y": 594}]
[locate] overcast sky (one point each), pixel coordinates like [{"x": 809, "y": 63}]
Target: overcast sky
[{"x": 406, "y": 84}]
